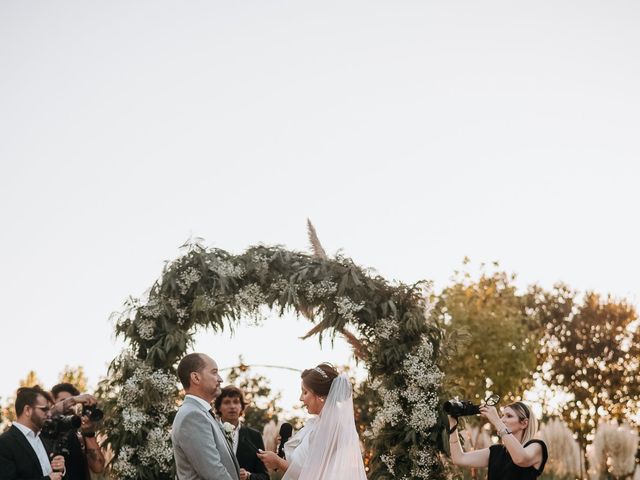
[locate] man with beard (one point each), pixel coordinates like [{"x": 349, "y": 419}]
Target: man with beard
[{"x": 22, "y": 453}]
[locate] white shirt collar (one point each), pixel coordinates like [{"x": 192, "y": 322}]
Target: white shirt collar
[
  {"x": 24, "y": 429},
  {"x": 201, "y": 401}
]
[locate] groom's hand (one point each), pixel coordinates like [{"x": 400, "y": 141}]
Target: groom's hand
[{"x": 244, "y": 475}]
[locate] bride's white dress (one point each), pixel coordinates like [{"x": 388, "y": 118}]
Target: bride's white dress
[{"x": 328, "y": 447}]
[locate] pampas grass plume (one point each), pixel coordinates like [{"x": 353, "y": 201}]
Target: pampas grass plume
[
  {"x": 564, "y": 451},
  {"x": 613, "y": 451}
]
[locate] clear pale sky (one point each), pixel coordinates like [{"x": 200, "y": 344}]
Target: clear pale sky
[{"x": 412, "y": 133}]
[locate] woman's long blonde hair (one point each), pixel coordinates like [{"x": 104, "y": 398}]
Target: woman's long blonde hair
[{"x": 524, "y": 412}]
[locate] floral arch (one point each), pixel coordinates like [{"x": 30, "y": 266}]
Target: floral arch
[{"x": 211, "y": 288}]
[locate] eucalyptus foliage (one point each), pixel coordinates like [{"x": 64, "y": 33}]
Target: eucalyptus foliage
[{"x": 213, "y": 289}]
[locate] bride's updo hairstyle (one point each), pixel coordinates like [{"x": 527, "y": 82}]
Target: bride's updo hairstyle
[{"x": 319, "y": 379}]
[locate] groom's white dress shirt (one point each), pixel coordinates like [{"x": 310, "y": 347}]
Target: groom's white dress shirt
[
  {"x": 201, "y": 401},
  {"x": 36, "y": 443}
]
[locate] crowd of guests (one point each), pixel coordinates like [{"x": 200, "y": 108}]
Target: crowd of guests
[{"x": 36, "y": 445}]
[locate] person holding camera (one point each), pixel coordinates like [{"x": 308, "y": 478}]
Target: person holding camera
[
  {"x": 83, "y": 452},
  {"x": 23, "y": 455},
  {"x": 518, "y": 457}
]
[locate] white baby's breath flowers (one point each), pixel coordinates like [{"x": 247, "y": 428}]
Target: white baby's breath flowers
[
  {"x": 145, "y": 328},
  {"x": 157, "y": 450},
  {"x": 323, "y": 289},
  {"x": 414, "y": 404},
  {"x": 389, "y": 413},
  {"x": 162, "y": 382},
  {"x": 425, "y": 463},
  {"x": 347, "y": 308},
  {"x": 153, "y": 309},
  {"x": 250, "y": 299},
  {"x": 390, "y": 461},
  {"x": 133, "y": 419},
  {"x": 188, "y": 278},
  {"x": 225, "y": 268},
  {"x": 181, "y": 312},
  {"x": 387, "y": 328},
  {"x": 122, "y": 467},
  {"x": 261, "y": 262}
]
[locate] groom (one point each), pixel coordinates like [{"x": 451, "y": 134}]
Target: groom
[{"x": 200, "y": 447}]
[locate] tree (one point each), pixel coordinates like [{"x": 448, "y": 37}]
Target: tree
[
  {"x": 497, "y": 352},
  {"x": 593, "y": 354},
  {"x": 75, "y": 376},
  {"x": 261, "y": 404},
  {"x": 31, "y": 380}
]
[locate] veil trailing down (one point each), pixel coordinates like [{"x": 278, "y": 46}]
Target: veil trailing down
[{"x": 333, "y": 449}]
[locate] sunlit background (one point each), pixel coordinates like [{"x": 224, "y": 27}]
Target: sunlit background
[{"x": 411, "y": 133}]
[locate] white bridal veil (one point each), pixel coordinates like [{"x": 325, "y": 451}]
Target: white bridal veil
[{"x": 334, "y": 446}]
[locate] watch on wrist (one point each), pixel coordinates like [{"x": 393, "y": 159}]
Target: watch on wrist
[{"x": 504, "y": 431}]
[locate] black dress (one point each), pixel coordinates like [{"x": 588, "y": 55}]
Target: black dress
[{"x": 501, "y": 467}]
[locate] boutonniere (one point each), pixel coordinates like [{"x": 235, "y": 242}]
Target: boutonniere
[{"x": 228, "y": 431}]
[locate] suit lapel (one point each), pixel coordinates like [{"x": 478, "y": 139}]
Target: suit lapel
[
  {"x": 27, "y": 448},
  {"x": 229, "y": 447},
  {"x": 224, "y": 436},
  {"x": 215, "y": 424}
]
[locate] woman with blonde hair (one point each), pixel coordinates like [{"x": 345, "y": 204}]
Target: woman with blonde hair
[{"x": 518, "y": 457}]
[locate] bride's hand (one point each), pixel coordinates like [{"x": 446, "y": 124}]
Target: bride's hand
[{"x": 272, "y": 461}]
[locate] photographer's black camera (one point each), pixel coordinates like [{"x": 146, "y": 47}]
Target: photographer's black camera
[
  {"x": 93, "y": 413},
  {"x": 461, "y": 408},
  {"x": 56, "y": 427}
]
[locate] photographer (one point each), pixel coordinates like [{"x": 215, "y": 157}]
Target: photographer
[
  {"x": 519, "y": 457},
  {"x": 83, "y": 451},
  {"x": 22, "y": 452}
]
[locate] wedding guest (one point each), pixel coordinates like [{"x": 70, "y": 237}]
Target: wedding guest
[
  {"x": 230, "y": 406},
  {"x": 22, "y": 453},
  {"x": 327, "y": 447},
  {"x": 518, "y": 457},
  {"x": 85, "y": 454}
]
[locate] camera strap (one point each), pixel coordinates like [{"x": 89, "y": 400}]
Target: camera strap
[{"x": 454, "y": 428}]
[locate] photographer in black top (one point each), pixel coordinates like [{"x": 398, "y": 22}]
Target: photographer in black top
[
  {"x": 519, "y": 457},
  {"x": 82, "y": 449}
]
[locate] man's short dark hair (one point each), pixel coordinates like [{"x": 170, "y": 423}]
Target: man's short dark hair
[
  {"x": 230, "y": 391},
  {"x": 193, "y": 362},
  {"x": 64, "y": 387},
  {"x": 29, "y": 396}
]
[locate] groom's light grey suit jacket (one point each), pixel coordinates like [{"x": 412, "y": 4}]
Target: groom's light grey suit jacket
[{"x": 200, "y": 448}]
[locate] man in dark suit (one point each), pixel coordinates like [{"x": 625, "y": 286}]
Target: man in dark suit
[
  {"x": 229, "y": 406},
  {"x": 23, "y": 455}
]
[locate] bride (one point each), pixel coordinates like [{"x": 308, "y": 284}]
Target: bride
[{"x": 327, "y": 447}]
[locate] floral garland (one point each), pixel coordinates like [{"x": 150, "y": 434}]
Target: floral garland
[{"x": 214, "y": 289}]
